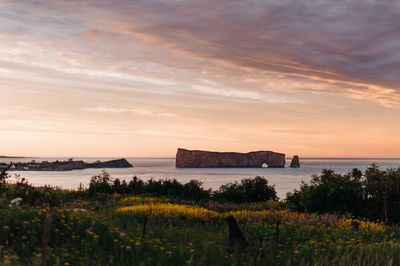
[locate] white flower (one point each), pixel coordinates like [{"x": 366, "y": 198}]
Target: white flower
[
  {"x": 16, "y": 201},
  {"x": 79, "y": 210}
]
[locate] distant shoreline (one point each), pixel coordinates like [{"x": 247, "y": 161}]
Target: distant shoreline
[{"x": 15, "y": 157}]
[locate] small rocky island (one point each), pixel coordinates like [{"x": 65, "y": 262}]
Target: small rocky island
[
  {"x": 66, "y": 165},
  {"x": 204, "y": 159},
  {"x": 295, "y": 163}
]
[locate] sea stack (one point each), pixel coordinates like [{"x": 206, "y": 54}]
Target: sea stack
[
  {"x": 204, "y": 159},
  {"x": 295, "y": 162}
]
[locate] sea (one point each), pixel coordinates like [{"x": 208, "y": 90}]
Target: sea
[{"x": 284, "y": 179}]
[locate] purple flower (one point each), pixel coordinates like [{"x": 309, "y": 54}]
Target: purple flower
[
  {"x": 169, "y": 252},
  {"x": 122, "y": 235},
  {"x": 296, "y": 251},
  {"x": 128, "y": 248},
  {"x": 192, "y": 250},
  {"x": 90, "y": 229}
]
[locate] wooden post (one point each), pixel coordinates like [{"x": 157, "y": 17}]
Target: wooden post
[
  {"x": 277, "y": 232},
  {"x": 355, "y": 224},
  {"x": 235, "y": 234},
  {"x": 144, "y": 226}
]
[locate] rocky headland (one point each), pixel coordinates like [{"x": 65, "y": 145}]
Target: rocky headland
[
  {"x": 204, "y": 159},
  {"x": 67, "y": 165}
]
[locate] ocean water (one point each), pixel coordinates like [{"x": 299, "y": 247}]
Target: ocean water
[{"x": 285, "y": 179}]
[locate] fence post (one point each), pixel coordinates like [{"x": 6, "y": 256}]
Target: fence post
[
  {"x": 144, "y": 226},
  {"x": 277, "y": 232},
  {"x": 235, "y": 234}
]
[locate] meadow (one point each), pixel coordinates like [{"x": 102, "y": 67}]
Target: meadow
[{"x": 51, "y": 226}]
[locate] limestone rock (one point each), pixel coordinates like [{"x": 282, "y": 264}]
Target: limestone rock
[
  {"x": 204, "y": 159},
  {"x": 295, "y": 162}
]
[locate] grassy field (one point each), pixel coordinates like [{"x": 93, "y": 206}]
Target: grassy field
[{"x": 112, "y": 229}]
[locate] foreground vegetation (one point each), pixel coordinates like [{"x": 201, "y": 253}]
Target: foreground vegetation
[{"x": 168, "y": 223}]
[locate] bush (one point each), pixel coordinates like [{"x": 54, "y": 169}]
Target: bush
[
  {"x": 101, "y": 183},
  {"x": 374, "y": 194},
  {"x": 194, "y": 191},
  {"x": 382, "y": 193},
  {"x": 329, "y": 192},
  {"x": 249, "y": 190}
]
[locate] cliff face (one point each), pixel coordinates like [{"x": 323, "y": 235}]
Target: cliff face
[{"x": 202, "y": 159}]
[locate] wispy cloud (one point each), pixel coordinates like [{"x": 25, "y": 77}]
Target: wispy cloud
[
  {"x": 136, "y": 111},
  {"x": 243, "y": 94},
  {"x": 159, "y": 133}
]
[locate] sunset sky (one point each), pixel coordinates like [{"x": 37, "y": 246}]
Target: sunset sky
[{"x": 141, "y": 78}]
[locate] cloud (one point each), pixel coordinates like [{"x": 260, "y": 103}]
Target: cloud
[
  {"x": 93, "y": 33},
  {"x": 243, "y": 94},
  {"x": 220, "y": 43},
  {"x": 3, "y": 70},
  {"x": 158, "y": 133},
  {"x": 352, "y": 42},
  {"x": 136, "y": 111}
]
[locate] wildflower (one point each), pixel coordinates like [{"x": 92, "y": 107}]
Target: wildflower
[
  {"x": 122, "y": 234},
  {"x": 6, "y": 227},
  {"x": 16, "y": 201},
  {"x": 90, "y": 229},
  {"x": 192, "y": 250},
  {"x": 169, "y": 252},
  {"x": 137, "y": 243},
  {"x": 128, "y": 248},
  {"x": 296, "y": 251}
]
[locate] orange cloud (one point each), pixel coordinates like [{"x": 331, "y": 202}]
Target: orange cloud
[{"x": 93, "y": 33}]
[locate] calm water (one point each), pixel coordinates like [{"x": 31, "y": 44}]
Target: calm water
[{"x": 284, "y": 179}]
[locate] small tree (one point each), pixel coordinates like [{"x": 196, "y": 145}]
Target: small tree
[{"x": 101, "y": 183}]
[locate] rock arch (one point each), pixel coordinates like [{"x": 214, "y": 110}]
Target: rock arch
[{"x": 204, "y": 159}]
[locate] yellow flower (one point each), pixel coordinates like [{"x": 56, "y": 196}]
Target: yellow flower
[
  {"x": 170, "y": 211},
  {"x": 6, "y": 227},
  {"x": 137, "y": 243}
]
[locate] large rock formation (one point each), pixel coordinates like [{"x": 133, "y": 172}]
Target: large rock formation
[
  {"x": 295, "y": 163},
  {"x": 202, "y": 159}
]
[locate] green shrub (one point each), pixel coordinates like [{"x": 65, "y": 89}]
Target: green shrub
[
  {"x": 101, "y": 183},
  {"x": 249, "y": 190}
]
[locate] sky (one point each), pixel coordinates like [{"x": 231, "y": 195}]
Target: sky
[{"x": 140, "y": 78}]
